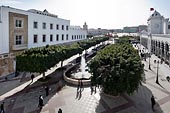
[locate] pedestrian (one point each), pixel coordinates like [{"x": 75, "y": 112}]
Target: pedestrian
[
  {"x": 6, "y": 78},
  {"x": 59, "y": 111},
  {"x": 2, "y": 108},
  {"x": 155, "y": 61},
  {"x": 40, "y": 102},
  {"x": 78, "y": 86},
  {"x": 91, "y": 87},
  {"x": 81, "y": 84},
  {"x": 47, "y": 90},
  {"x": 168, "y": 78},
  {"x": 32, "y": 77},
  {"x": 153, "y": 102}
]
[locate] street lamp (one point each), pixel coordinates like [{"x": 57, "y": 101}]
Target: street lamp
[
  {"x": 149, "y": 62},
  {"x": 157, "y": 72},
  {"x": 149, "y": 48}
]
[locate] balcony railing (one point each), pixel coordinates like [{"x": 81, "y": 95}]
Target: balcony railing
[{"x": 20, "y": 47}]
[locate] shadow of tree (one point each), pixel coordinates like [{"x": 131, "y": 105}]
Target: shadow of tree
[
  {"x": 138, "y": 102},
  {"x": 28, "y": 98},
  {"x": 11, "y": 83}
]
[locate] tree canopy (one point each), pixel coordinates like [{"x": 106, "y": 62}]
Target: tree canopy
[
  {"x": 43, "y": 58},
  {"x": 117, "y": 68}
]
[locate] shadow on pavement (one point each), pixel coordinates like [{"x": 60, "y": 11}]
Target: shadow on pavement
[
  {"x": 27, "y": 100},
  {"x": 138, "y": 102},
  {"x": 10, "y": 83}
]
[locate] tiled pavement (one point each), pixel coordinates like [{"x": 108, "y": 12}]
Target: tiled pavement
[{"x": 72, "y": 102}]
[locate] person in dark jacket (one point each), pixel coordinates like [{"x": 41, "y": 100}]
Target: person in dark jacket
[
  {"x": 59, "y": 111},
  {"x": 153, "y": 102},
  {"x": 40, "y": 102},
  {"x": 2, "y": 108},
  {"x": 47, "y": 90},
  {"x": 32, "y": 77}
]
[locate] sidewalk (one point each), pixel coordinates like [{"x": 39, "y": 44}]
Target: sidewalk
[{"x": 72, "y": 101}]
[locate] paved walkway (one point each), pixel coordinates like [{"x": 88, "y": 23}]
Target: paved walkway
[{"x": 24, "y": 99}]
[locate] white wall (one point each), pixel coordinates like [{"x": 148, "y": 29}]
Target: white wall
[
  {"x": 168, "y": 30},
  {"x": 40, "y": 31},
  {"x": 4, "y": 31},
  {"x": 156, "y": 26},
  {"x": 1, "y": 40},
  {"x": 76, "y": 31},
  {"x": 159, "y": 37},
  {"x": 4, "y": 35}
]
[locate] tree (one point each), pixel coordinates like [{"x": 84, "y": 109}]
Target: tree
[
  {"x": 117, "y": 68},
  {"x": 43, "y": 58}
]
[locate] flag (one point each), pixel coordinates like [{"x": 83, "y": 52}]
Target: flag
[{"x": 151, "y": 9}]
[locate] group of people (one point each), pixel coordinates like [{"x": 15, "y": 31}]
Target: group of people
[
  {"x": 41, "y": 104},
  {"x": 41, "y": 97},
  {"x": 79, "y": 89}
]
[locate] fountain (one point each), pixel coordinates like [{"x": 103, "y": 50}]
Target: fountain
[
  {"x": 78, "y": 72},
  {"x": 82, "y": 74}
]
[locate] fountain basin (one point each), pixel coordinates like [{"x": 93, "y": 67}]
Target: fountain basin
[{"x": 69, "y": 78}]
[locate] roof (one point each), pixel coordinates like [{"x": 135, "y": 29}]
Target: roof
[
  {"x": 45, "y": 12},
  {"x": 154, "y": 14}
]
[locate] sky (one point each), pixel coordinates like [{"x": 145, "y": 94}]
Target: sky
[{"x": 105, "y": 14}]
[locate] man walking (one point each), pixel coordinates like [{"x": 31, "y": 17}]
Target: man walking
[
  {"x": 78, "y": 86},
  {"x": 40, "y": 102},
  {"x": 32, "y": 77},
  {"x": 47, "y": 90},
  {"x": 91, "y": 87},
  {"x": 2, "y": 108},
  {"x": 153, "y": 102},
  {"x": 59, "y": 111},
  {"x": 81, "y": 84}
]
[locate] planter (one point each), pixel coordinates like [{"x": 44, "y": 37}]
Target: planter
[
  {"x": 44, "y": 80},
  {"x": 112, "y": 96}
]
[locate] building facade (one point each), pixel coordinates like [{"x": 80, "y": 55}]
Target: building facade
[
  {"x": 97, "y": 32},
  {"x": 21, "y": 30},
  {"x": 135, "y": 29},
  {"x": 157, "y": 24},
  {"x": 157, "y": 39}
]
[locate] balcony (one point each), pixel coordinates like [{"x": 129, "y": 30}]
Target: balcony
[{"x": 19, "y": 47}]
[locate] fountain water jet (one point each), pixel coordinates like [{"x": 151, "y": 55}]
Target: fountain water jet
[{"x": 82, "y": 74}]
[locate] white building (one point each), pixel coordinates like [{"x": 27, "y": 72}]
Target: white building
[
  {"x": 99, "y": 31},
  {"x": 157, "y": 39},
  {"x": 157, "y": 24},
  {"x": 20, "y": 30}
]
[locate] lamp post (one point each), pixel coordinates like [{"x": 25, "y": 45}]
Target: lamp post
[
  {"x": 149, "y": 62},
  {"x": 157, "y": 72},
  {"x": 150, "y": 38},
  {"x": 149, "y": 48}
]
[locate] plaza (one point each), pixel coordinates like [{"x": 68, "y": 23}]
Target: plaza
[
  {"x": 49, "y": 74},
  {"x": 24, "y": 97}
]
